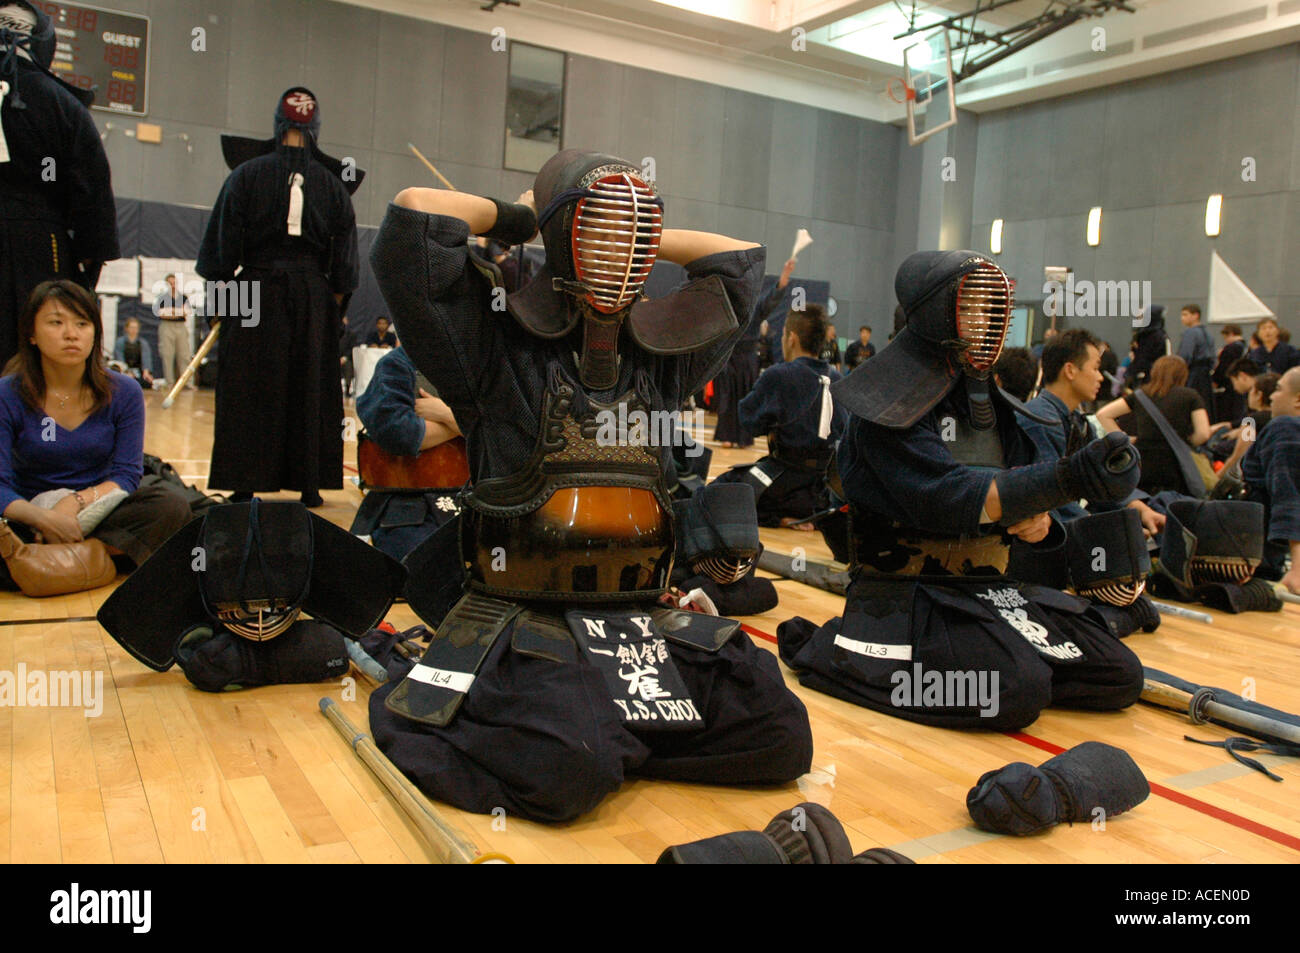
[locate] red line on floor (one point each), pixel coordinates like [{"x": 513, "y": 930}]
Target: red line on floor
[
  {"x": 1169, "y": 794},
  {"x": 755, "y": 632}
]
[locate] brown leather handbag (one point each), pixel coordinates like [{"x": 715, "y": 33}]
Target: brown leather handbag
[{"x": 55, "y": 569}]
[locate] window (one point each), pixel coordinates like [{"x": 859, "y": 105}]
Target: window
[{"x": 534, "y": 106}]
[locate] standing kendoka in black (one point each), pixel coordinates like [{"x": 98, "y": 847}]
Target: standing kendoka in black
[
  {"x": 57, "y": 217},
  {"x": 555, "y": 676},
  {"x": 938, "y": 474},
  {"x": 284, "y": 215}
]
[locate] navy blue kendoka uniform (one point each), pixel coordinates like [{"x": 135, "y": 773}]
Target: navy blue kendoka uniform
[
  {"x": 786, "y": 404},
  {"x": 1271, "y": 471},
  {"x": 539, "y": 736}
]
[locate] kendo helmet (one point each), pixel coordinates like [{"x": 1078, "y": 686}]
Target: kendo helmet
[
  {"x": 600, "y": 220},
  {"x": 957, "y": 306},
  {"x": 298, "y": 108},
  {"x": 28, "y": 27},
  {"x": 26, "y": 31}
]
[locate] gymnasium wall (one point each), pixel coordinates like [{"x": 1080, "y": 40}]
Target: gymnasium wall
[
  {"x": 727, "y": 160},
  {"x": 1150, "y": 152}
]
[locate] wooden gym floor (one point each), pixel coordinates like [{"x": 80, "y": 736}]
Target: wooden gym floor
[{"x": 167, "y": 773}]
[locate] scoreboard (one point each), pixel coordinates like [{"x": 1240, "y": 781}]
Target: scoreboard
[{"x": 104, "y": 49}]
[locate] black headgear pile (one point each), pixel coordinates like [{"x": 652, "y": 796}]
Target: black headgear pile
[
  {"x": 1107, "y": 555},
  {"x": 717, "y": 531},
  {"x": 250, "y": 569},
  {"x": 297, "y": 108},
  {"x": 958, "y": 309},
  {"x": 27, "y": 33},
  {"x": 601, "y": 222},
  {"x": 1208, "y": 553}
]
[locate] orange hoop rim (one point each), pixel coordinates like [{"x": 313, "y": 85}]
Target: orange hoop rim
[{"x": 909, "y": 94}]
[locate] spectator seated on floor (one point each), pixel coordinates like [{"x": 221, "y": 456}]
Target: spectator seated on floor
[{"x": 72, "y": 437}]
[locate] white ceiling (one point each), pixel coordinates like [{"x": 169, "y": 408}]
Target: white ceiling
[{"x": 842, "y": 54}]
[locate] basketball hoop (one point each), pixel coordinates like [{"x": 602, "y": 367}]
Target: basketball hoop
[
  {"x": 909, "y": 94},
  {"x": 928, "y": 92}
]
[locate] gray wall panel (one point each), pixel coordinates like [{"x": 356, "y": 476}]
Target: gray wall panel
[
  {"x": 174, "y": 173},
  {"x": 264, "y": 62},
  {"x": 689, "y": 213},
  {"x": 876, "y": 201},
  {"x": 342, "y": 60},
  {"x": 1194, "y": 140},
  {"x": 1254, "y": 253},
  {"x": 391, "y": 173},
  {"x": 514, "y": 184},
  {"x": 408, "y": 86},
  {"x": 1135, "y": 158},
  {"x": 1126, "y": 248},
  {"x": 875, "y": 281},
  {"x": 832, "y": 255},
  {"x": 991, "y": 180},
  {"x": 472, "y": 121},
  {"x": 748, "y": 225},
  {"x": 699, "y": 116},
  {"x": 836, "y": 170},
  {"x": 183, "y": 81},
  {"x": 1027, "y": 174},
  {"x": 594, "y": 105},
  {"x": 1289, "y": 283},
  {"x": 746, "y": 148},
  {"x": 778, "y": 236},
  {"x": 1262, "y": 96},
  {"x": 793, "y": 148},
  {"x": 649, "y": 105},
  {"x": 958, "y": 183},
  {"x": 1077, "y": 152},
  {"x": 1180, "y": 251}
]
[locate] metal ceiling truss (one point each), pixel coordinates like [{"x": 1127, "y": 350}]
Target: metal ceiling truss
[{"x": 1008, "y": 41}]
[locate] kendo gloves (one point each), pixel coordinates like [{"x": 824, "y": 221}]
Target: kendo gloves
[
  {"x": 1020, "y": 799},
  {"x": 1106, "y": 470},
  {"x": 805, "y": 834}
]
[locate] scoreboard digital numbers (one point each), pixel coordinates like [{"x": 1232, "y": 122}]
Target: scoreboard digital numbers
[{"x": 104, "y": 49}]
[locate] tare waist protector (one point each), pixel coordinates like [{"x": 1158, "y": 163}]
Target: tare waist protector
[{"x": 588, "y": 518}]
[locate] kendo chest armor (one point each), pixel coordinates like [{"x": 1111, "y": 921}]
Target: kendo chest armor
[
  {"x": 972, "y": 447},
  {"x": 899, "y": 550},
  {"x": 587, "y": 518}
]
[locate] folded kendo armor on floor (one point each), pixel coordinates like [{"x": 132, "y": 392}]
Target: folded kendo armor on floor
[
  {"x": 1208, "y": 552},
  {"x": 717, "y": 548},
  {"x": 225, "y": 594},
  {"x": 1103, "y": 558}
]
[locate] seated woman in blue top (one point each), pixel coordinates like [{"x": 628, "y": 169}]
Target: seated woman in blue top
[{"x": 66, "y": 422}]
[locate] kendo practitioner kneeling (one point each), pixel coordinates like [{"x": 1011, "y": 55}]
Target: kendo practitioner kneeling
[
  {"x": 939, "y": 474},
  {"x": 553, "y": 677},
  {"x": 792, "y": 404}
]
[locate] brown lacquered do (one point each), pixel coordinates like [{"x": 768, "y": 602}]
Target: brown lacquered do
[{"x": 589, "y": 539}]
